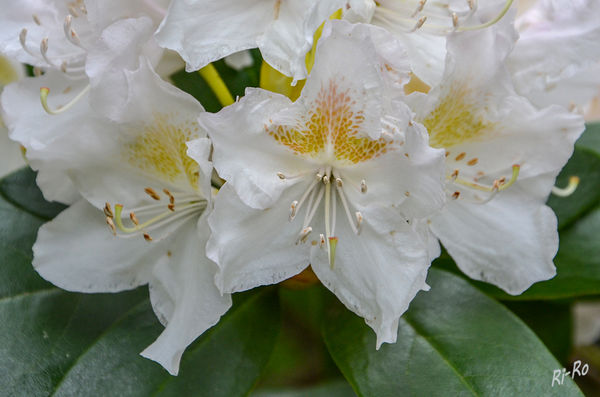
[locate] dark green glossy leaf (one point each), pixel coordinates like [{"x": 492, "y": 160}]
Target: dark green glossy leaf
[
  {"x": 330, "y": 389},
  {"x": 53, "y": 342},
  {"x": 551, "y": 322},
  {"x": 585, "y": 164},
  {"x": 453, "y": 341},
  {"x": 20, "y": 184}
]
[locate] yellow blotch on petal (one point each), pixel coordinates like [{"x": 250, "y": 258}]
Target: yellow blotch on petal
[
  {"x": 456, "y": 120},
  {"x": 332, "y": 126},
  {"x": 160, "y": 148}
]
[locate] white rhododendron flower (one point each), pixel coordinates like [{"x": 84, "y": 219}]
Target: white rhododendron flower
[
  {"x": 422, "y": 26},
  {"x": 135, "y": 176},
  {"x": 502, "y": 158},
  {"x": 557, "y": 57},
  {"x": 93, "y": 41},
  {"x": 332, "y": 180},
  {"x": 203, "y": 31}
]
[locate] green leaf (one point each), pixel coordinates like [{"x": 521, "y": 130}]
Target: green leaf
[
  {"x": 585, "y": 164},
  {"x": 453, "y": 341},
  {"x": 54, "y": 342},
  {"x": 20, "y": 189},
  {"x": 236, "y": 81},
  {"x": 551, "y": 322},
  {"x": 329, "y": 389}
]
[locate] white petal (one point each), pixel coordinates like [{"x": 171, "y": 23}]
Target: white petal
[
  {"x": 77, "y": 252},
  {"x": 559, "y": 40},
  {"x": 245, "y": 155},
  {"x": 377, "y": 273},
  {"x": 239, "y": 60},
  {"x": 410, "y": 175},
  {"x": 205, "y": 31},
  {"x": 509, "y": 241},
  {"x": 116, "y": 51},
  {"x": 38, "y": 131},
  {"x": 255, "y": 247},
  {"x": 290, "y": 36},
  {"x": 186, "y": 284}
]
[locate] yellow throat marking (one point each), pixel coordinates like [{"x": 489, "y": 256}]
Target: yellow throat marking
[
  {"x": 161, "y": 148},
  {"x": 332, "y": 124},
  {"x": 455, "y": 120}
]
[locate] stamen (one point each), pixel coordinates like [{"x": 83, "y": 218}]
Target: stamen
[
  {"x": 134, "y": 219},
  {"x": 567, "y": 191},
  {"x": 313, "y": 211},
  {"x": 322, "y": 240},
  {"x": 297, "y": 204},
  {"x": 419, "y": 8},
  {"x": 304, "y": 235},
  {"x": 456, "y": 195},
  {"x": 491, "y": 22},
  {"x": 499, "y": 184},
  {"x": 454, "y": 175},
  {"x": 44, "y": 91},
  {"x": 454, "y": 20},
  {"x": 359, "y": 219},
  {"x": 152, "y": 193},
  {"x": 111, "y": 224},
  {"x": 346, "y": 208},
  {"x": 36, "y": 20},
  {"x": 419, "y": 24},
  {"x": 147, "y": 237},
  {"x": 108, "y": 211},
  {"x": 363, "y": 186},
  {"x": 281, "y": 175},
  {"x": 277, "y": 9},
  {"x": 70, "y": 34},
  {"x": 293, "y": 210}
]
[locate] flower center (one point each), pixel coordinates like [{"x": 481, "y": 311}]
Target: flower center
[
  {"x": 331, "y": 131},
  {"x": 319, "y": 188},
  {"x": 74, "y": 68},
  {"x": 161, "y": 150}
]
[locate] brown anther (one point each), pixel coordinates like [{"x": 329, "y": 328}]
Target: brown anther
[
  {"x": 171, "y": 207},
  {"x": 281, "y": 175},
  {"x": 326, "y": 180},
  {"x": 455, "y": 195},
  {"x": 454, "y": 20},
  {"x": 171, "y": 197},
  {"x": 502, "y": 180},
  {"x": 147, "y": 237},
  {"x": 169, "y": 253},
  {"x": 363, "y": 186},
  {"x": 152, "y": 193},
  {"x": 473, "y": 161},
  {"x": 108, "y": 211},
  {"x": 36, "y": 20},
  {"x": 407, "y": 193},
  {"x": 111, "y": 224},
  {"x": 447, "y": 153},
  {"x": 134, "y": 218},
  {"x": 339, "y": 182},
  {"x": 460, "y": 156}
]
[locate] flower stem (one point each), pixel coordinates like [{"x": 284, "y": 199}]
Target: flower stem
[{"x": 217, "y": 85}]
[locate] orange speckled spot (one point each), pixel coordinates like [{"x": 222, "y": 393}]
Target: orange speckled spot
[
  {"x": 332, "y": 126},
  {"x": 160, "y": 148}
]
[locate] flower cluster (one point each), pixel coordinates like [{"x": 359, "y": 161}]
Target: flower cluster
[{"x": 388, "y": 126}]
